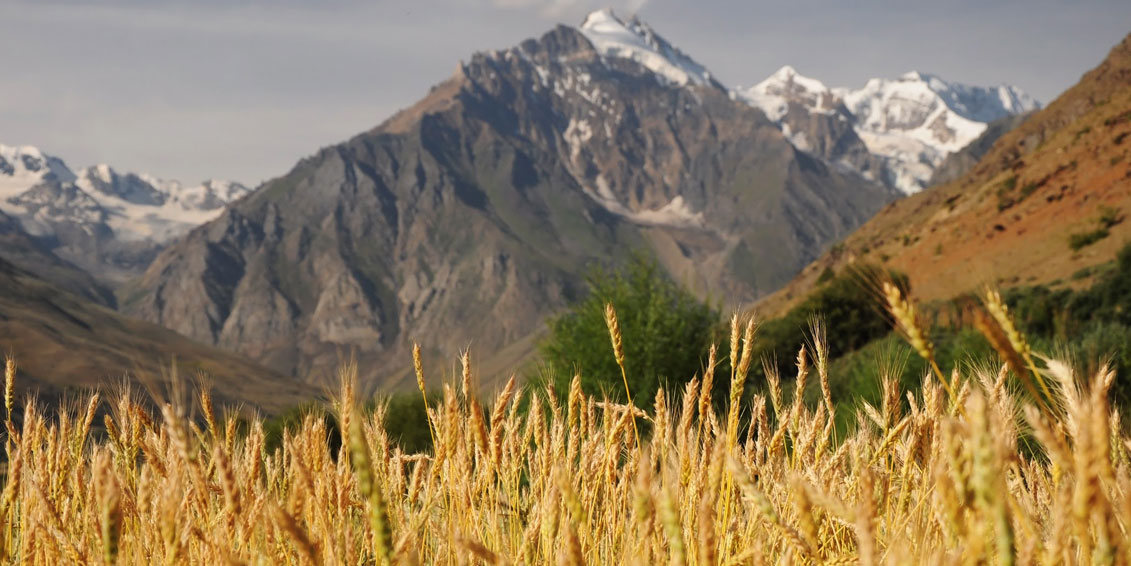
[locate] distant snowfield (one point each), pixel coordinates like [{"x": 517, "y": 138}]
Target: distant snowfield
[
  {"x": 912, "y": 122},
  {"x": 41, "y": 191}
]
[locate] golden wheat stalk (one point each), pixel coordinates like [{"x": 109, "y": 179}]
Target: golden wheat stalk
[
  {"x": 418, "y": 369},
  {"x": 910, "y": 326},
  {"x": 911, "y": 483},
  {"x": 1000, "y": 313},
  {"x": 9, "y": 384},
  {"x": 618, "y": 352},
  {"x": 371, "y": 490},
  {"x": 1001, "y": 343}
]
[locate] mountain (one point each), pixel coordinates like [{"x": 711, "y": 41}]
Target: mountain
[
  {"x": 894, "y": 131},
  {"x": 63, "y": 343},
  {"x": 1044, "y": 205},
  {"x": 29, "y": 254},
  {"x": 108, "y": 223},
  {"x": 636, "y": 41},
  {"x": 472, "y": 215},
  {"x": 815, "y": 119}
]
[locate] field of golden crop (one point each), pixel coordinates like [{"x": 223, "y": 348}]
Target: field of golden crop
[{"x": 960, "y": 471}]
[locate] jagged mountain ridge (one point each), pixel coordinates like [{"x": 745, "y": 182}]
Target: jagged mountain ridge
[
  {"x": 1062, "y": 173},
  {"x": 894, "y": 131},
  {"x": 470, "y": 216},
  {"x": 111, "y": 224}
]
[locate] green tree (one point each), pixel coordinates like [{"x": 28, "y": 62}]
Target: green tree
[{"x": 666, "y": 332}]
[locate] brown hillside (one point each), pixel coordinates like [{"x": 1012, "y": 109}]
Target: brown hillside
[
  {"x": 62, "y": 343},
  {"x": 1062, "y": 174}
]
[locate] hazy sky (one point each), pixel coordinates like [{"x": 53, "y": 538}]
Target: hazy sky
[{"x": 241, "y": 89}]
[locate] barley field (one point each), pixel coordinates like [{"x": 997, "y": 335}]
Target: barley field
[{"x": 1023, "y": 464}]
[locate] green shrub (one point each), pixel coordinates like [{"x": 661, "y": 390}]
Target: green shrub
[
  {"x": 826, "y": 275},
  {"x": 1109, "y": 216},
  {"x": 1079, "y": 240},
  {"x": 666, "y": 331},
  {"x": 1009, "y": 183},
  {"x": 405, "y": 422},
  {"x": 856, "y": 376}
]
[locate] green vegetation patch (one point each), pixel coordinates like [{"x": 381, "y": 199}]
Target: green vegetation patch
[{"x": 666, "y": 331}]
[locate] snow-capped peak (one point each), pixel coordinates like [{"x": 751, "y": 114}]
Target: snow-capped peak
[
  {"x": 636, "y": 41},
  {"x": 786, "y": 85},
  {"x": 918, "y": 119},
  {"x": 911, "y": 122},
  {"x": 41, "y": 191},
  {"x": 24, "y": 165},
  {"x": 905, "y": 99},
  {"x": 103, "y": 172},
  {"x": 144, "y": 206}
]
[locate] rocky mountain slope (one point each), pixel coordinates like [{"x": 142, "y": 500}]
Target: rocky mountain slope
[
  {"x": 469, "y": 217},
  {"x": 64, "y": 343},
  {"x": 31, "y": 255},
  {"x": 894, "y": 131},
  {"x": 1045, "y": 204},
  {"x": 108, "y": 223}
]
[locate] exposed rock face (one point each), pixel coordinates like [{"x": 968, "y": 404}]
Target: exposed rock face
[{"x": 469, "y": 217}]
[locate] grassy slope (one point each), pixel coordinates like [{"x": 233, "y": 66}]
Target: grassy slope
[
  {"x": 1064, "y": 164},
  {"x": 62, "y": 342}
]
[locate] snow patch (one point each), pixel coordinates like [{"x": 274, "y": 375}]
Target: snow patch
[
  {"x": 576, "y": 134},
  {"x": 636, "y": 41},
  {"x": 677, "y": 213},
  {"x": 178, "y": 210}
]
